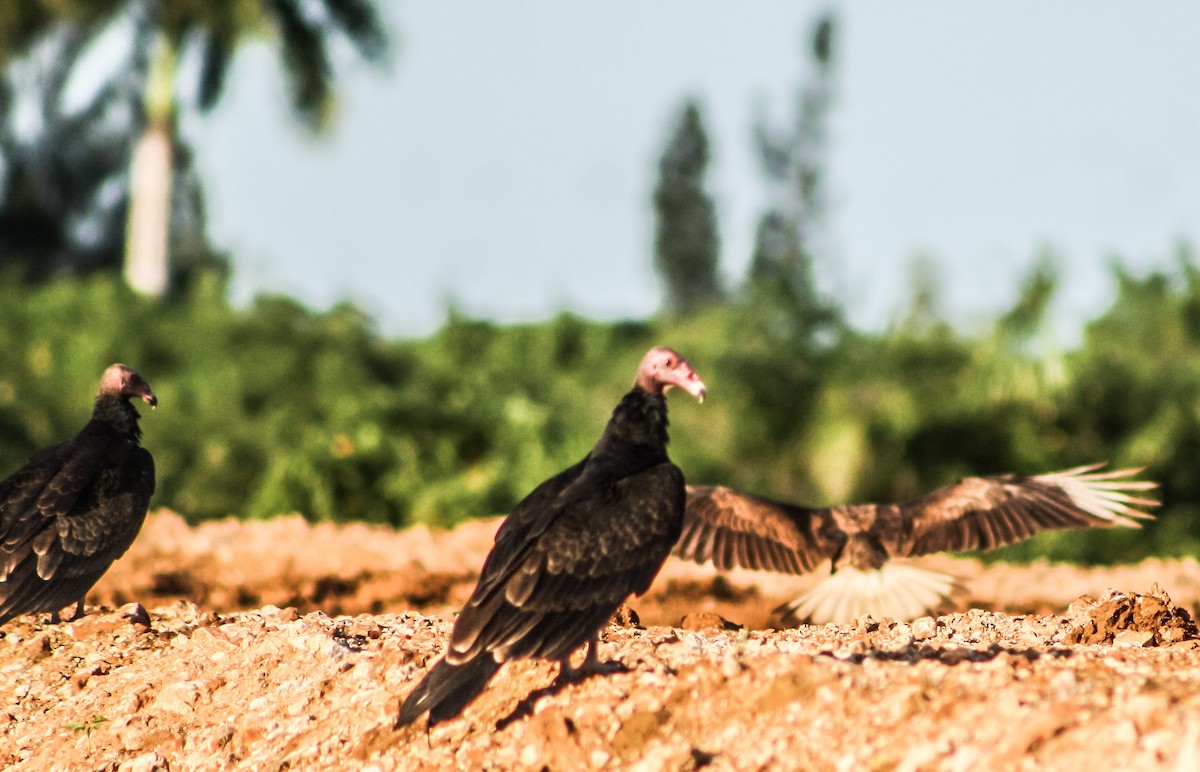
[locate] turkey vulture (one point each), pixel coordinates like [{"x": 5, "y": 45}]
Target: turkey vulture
[
  {"x": 734, "y": 529},
  {"x": 76, "y": 507},
  {"x": 572, "y": 551}
]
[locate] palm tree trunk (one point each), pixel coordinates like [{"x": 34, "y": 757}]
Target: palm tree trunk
[{"x": 147, "y": 234}]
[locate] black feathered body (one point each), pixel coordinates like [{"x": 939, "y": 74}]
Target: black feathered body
[
  {"x": 566, "y": 558},
  {"x": 72, "y": 510}
]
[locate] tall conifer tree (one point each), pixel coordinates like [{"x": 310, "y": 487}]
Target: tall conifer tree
[{"x": 686, "y": 247}]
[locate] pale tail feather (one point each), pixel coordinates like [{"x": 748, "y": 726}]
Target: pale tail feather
[
  {"x": 896, "y": 590},
  {"x": 1102, "y": 494}
]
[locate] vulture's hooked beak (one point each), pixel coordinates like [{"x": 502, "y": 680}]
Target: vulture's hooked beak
[
  {"x": 694, "y": 386},
  {"x": 136, "y": 386},
  {"x": 142, "y": 389}
]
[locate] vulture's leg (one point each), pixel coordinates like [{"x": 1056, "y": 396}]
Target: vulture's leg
[
  {"x": 78, "y": 608},
  {"x": 56, "y": 618},
  {"x": 592, "y": 664}
]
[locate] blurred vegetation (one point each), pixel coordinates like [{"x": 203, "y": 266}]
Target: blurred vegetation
[
  {"x": 687, "y": 249},
  {"x": 67, "y": 188},
  {"x": 276, "y": 408}
]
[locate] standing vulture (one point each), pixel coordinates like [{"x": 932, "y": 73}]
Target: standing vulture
[
  {"x": 740, "y": 530},
  {"x": 572, "y": 551},
  {"x": 76, "y": 507}
]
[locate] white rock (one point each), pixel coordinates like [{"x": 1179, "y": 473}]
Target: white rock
[
  {"x": 924, "y": 628},
  {"x": 147, "y": 762},
  {"x": 179, "y": 697},
  {"x": 1133, "y": 639}
]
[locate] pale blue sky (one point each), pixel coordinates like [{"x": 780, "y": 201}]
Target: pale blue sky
[{"x": 507, "y": 157}]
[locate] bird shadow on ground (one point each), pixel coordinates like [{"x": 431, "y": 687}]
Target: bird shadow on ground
[
  {"x": 524, "y": 708},
  {"x": 914, "y": 653}
]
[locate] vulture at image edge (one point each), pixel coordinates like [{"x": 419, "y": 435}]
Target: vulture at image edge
[
  {"x": 76, "y": 507},
  {"x": 571, "y": 552},
  {"x": 740, "y": 530}
]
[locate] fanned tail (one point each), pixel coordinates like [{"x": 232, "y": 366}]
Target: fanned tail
[
  {"x": 902, "y": 592},
  {"x": 447, "y": 689}
]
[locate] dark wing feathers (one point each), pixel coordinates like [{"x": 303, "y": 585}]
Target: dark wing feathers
[
  {"x": 742, "y": 530},
  {"x": 73, "y": 479},
  {"x": 446, "y": 689},
  {"x": 564, "y": 560},
  {"x": 64, "y": 518},
  {"x": 987, "y": 512},
  {"x": 20, "y": 518},
  {"x": 507, "y": 569},
  {"x": 110, "y": 514},
  {"x": 528, "y": 520},
  {"x": 581, "y": 564}
]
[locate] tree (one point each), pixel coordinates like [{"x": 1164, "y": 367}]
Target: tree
[
  {"x": 789, "y": 337},
  {"x": 64, "y": 185},
  {"x": 305, "y": 32},
  {"x": 793, "y": 162},
  {"x": 49, "y": 179},
  {"x": 160, "y": 31},
  {"x": 686, "y": 249}
]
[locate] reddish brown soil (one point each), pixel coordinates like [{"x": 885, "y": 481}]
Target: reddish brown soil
[{"x": 274, "y": 645}]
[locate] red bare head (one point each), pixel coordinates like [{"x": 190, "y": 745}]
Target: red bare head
[
  {"x": 663, "y": 368},
  {"x": 121, "y": 381}
]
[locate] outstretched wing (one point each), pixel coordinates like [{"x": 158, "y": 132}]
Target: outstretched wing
[
  {"x": 987, "y": 512},
  {"x": 554, "y": 579},
  {"x": 741, "y": 530}
]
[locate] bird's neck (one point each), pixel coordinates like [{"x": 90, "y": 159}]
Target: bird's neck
[
  {"x": 119, "y": 416},
  {"x": 639, "y": 420}
]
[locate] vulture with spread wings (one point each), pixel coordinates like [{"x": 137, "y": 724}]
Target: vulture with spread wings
[
  {"x": 75, "y": 507},
  {"x": 572, "y": 551},
  {"x": 740, "y": 530}
]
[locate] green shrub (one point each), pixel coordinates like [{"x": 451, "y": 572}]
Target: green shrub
[{"x": 277, "y": 408}]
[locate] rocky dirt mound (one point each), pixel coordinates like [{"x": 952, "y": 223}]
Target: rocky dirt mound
[
  {"x": 200, "y": 684},
  {"x": 362, "y": 569},
  {"x": 1123, "y": 619}
]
